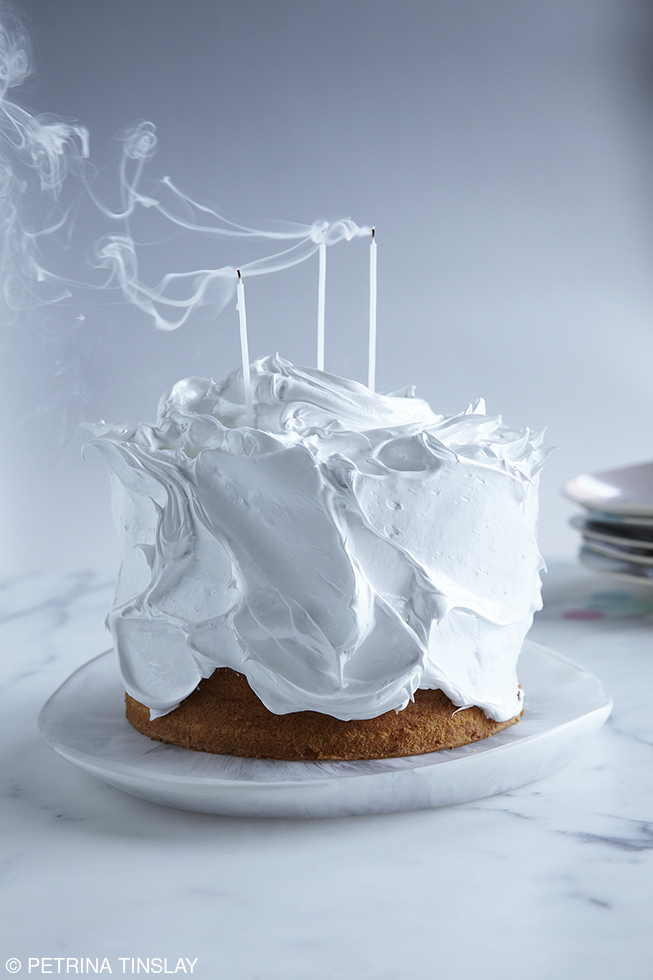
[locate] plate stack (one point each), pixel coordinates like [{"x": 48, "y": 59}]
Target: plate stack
[{"x": 617, "y": 527}]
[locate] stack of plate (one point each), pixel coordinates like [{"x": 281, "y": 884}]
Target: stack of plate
[{"x": 617, "y": 528}]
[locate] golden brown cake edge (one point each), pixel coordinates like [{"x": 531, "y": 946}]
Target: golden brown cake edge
[{"x": 223, "y": 716}]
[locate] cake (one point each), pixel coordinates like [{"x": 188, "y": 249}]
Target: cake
[{"x": 352, "y": 577}]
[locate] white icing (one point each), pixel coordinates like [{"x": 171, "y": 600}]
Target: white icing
[{"x": 347, "y": 550}]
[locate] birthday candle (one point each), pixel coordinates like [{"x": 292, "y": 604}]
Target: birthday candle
[
  {"x": 321, "y": 303},
  {"x": 244, "y": 349},
  {"x": 371, "y": 364}
]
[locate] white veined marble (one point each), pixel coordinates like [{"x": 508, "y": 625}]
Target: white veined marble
[{"x": 555, "y": 878}]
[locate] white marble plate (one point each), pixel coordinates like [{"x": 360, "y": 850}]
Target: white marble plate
[
  {"x": 627, "y": 491},
  {"x": 84, "y": 722}
]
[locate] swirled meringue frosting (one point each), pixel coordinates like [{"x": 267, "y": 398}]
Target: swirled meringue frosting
[{"x": 345, "y": 551}]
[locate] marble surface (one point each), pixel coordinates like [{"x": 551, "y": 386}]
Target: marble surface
[{"x": 556, "y": 877}]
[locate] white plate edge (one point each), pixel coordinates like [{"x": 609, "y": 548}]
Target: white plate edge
[{"x": 595, "y": 717}]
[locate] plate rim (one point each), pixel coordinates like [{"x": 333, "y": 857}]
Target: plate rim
[
  {"x": 611, "y": 550},
  {"x": 604, "y": 505},
  {"x": 586, "y": 526},
  {"x": 632, "y": 578},
  {"x": 104, "y": 767},
  {"x": 618, "y": 519}
]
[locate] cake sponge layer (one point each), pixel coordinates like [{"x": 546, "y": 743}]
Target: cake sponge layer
[{"x": 224, "y": 716}]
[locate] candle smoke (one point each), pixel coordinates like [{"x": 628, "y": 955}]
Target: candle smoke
[
  {"x": 48, "y": 183},
  {"x": 37, "y": 155}
]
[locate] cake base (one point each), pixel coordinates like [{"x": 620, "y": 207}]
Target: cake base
[{"x": 224, "y": 716}]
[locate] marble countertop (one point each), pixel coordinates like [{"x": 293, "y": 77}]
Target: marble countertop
[{"x": 554, "y": 878}]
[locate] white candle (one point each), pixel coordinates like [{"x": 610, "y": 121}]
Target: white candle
[
  {"x": 321, "y": 304},
  {"x": 244, "y": 349},
  {"x": 371, "y": 364}
]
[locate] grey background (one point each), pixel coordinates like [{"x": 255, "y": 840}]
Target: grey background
[{"x": 502, "y": 148}]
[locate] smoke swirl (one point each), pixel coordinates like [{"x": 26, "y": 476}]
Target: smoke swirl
[{"x": 48, "y": 182}]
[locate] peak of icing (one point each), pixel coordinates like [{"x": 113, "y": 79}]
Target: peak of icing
[{"x": 291, "y": 399}]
